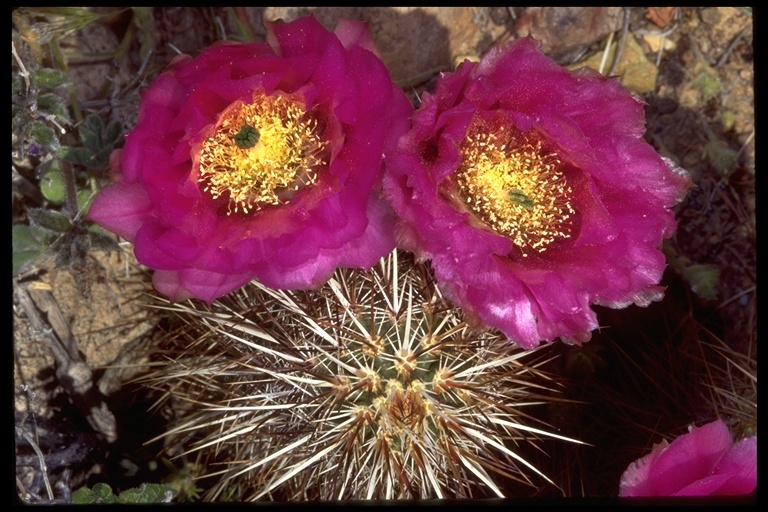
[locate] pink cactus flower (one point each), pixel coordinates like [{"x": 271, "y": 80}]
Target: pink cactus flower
[
  {"x": 703, "y": 462},
  {"x": 260, "y": 161},
  {"x": 532, "y": 192}
]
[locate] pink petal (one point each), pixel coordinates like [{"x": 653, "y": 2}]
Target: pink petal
[
  {"x": 702, "y": 462},
  {"x": 192, "y": 241},
  {"x": 622, "y": 193},
  {"x": 121, "y": 208}
]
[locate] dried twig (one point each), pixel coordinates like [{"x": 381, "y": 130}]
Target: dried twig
[
  {"x": 41, "y": 459},
  {"x": 736, "y": 40},
  {"x": 622, "y": 41},
  {"x": 22, "y": 70}
]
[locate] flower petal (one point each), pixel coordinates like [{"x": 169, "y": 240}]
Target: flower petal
[
  {"x": 121, "y": 208},
  {"x": 702, "y": 462},
  {"x": 611, "y": 197},
  {"x": 194, "y": 233}
]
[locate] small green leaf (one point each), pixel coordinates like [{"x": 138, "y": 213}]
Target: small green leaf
[
  {"x": 114, "y": 133},
  {"x": 703, "y": 279},
  {"x": 84, "y": 200},
  {"x": 91, "y": 132},
  {"x": 53, "y": 104},
  {"x": 102, "y": 242},
  {"x": 53, "y": 186},
  {"x": 148, "y": 493},
  {"x": 724, "y": 159},
  {"x": 247, "y": 138},
  {"x": 98, "y": 144},
  {"x": 707, "y": 81},
  {"x": 46, "y": 78},
  {"x": 50, "y": 219},
  {"x": 77, "y": 156},
  {"x": 27, "y": 246},
  {"x": 102, "y": 490},
  {"x": 44, "y": 135},
  {"x": 144, "y": 20},
  {"x": 728, "y": 119},
  {"x": 17, "y": 83},
  {"x": 19, "y": 117},
  {"x": 84, "y": 496}
]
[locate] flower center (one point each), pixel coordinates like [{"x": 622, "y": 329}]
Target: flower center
[
  {"x": 515, "y": 187},
  {"x": 261, "y": 153}
]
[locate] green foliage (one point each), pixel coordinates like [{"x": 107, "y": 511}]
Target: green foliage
[
  {"x": 38, "y": 111},
  {"x": 728, "y": 118},
  {"x": 144, "y": 21},
  {"x": 84, "y": 198},
  {"x": 50, "y": 78},
  {"x": 53, "y": 105},
  {"x": 703, "y": 279},
  {"x": 43, "y": 136},
  {"x": 42, "y": 146},
  {"x": 707, "y": 81},
  {"x": 17, "y": 84},
  {"x": 724, "y": 159},
  {"x": 102, "y": 494},
  {"x": 50, "y": 219},
  {"x": 53, "y": 186},
  {"x": 29, "y": 243},
  {"x": 98, "y": 143},
  {"x": 51, "y": 230},
  {"x": 183, "y": 480}
]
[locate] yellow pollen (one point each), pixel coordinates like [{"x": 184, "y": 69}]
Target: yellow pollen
[
  {"x": 261, "y": 153},
  {"x": 515, "y": 187}
]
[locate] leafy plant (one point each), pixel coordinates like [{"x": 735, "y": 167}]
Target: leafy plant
[
  {"x": 98, "y": 142},
  {"x": 707, "y": 81},
  {"x": 55, "y": 174},
  {"x": 103, "y": 494},
  {"x": 703, "y": 278},
  {"x": 38, "y": 112}
]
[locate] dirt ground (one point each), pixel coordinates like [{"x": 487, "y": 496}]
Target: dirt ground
[{"x": 76, "y": 350}]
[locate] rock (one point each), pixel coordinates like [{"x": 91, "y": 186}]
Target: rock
[
  {"x": 723, "y": 24},
  {"x": 660, "y": 16},
  {"x": 562, "y": 28},
  {"x": 655, "y": 42},
  {"x": 635, "y": 71}
]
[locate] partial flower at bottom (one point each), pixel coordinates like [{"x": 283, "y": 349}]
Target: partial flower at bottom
[
  {"x": 703, "y": 462},
  {"x": 372, "y": 387},
  {"x": 260, "y": 160},
  {"x": 532, "y": 192}
]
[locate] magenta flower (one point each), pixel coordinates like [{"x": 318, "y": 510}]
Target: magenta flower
[
  {"x": 261, "y": 161},
  {"x": 703, "y": 462},
  {"x": 533, "y": 193}
]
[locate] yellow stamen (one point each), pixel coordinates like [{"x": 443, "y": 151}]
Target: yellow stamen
[
  {"x": 262, "y": 153},
  {"x": 515, "y": 187}
]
